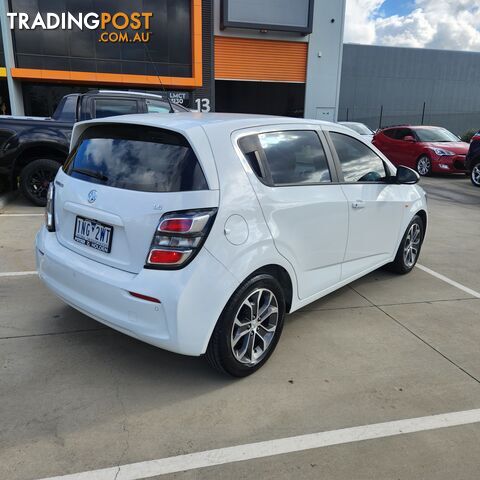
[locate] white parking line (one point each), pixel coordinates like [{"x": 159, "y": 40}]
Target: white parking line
[
  {"x": 250, "y": 451},
  {"x": 449, "y": 281},
  {"x": 21, "y": 215},
  {"x": 17, "y": 274}
]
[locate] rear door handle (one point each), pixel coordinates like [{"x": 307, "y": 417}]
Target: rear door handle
[{"x": 358, "y": 204}]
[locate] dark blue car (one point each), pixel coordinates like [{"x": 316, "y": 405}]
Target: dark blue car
[{"x": 472, "y": 161}]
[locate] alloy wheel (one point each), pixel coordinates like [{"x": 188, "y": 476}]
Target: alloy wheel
[
  {"x": 412, "y": 245},
  {"x": 254, "y": 326},
  {"x": 423, "y": 166},
  {"x": 476, "y": 174},
  {"x": 39, "y": 182}
]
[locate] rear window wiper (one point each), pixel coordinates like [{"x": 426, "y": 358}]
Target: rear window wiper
[{"x": 90, "y": 173}]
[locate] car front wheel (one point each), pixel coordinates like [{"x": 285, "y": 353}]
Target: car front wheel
[
  {"x": 475, "y": 175},
  {"x": 249, "y": 328},
  {"x": 410, "y": 246},
  {"x": 424, "y": 166}
]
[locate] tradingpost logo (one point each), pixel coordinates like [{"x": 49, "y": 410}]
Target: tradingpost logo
[{"x": 119, "y": 27}]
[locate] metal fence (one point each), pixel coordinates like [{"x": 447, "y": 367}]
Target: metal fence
[{"x": 382, "y": 116}]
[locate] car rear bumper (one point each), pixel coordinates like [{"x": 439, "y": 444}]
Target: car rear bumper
[
  {"x": 191, "y": 299},
  {"x": 451, "y": 164}
]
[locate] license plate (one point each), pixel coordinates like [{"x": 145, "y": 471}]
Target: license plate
[{"x": 93, "y": 234}]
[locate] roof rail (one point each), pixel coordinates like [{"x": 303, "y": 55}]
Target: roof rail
[{"x": 133, "y": 92}]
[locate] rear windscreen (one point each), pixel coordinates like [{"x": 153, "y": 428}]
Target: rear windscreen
[{"x": 136, "y": 158}]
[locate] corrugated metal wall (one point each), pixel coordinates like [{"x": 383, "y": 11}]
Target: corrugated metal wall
[
  {"x": 267, "y": 60},
  {"x": 402, "y": 79}
]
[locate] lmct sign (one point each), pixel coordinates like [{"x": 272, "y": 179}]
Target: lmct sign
[{"x": 90, "y": 21}]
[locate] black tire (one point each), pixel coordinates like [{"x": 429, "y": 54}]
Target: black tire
[
  {"x": 424, "y": 172},
  {"x": 400, "y": 265},
  {"x": 34, "y": 180},
  {"x": 220, "y": 351},
  {"x": 475, "y": 174}
]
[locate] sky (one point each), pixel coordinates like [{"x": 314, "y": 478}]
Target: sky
[{"x": 441, "y": 24}]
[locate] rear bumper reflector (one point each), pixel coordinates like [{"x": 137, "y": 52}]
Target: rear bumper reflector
[{"x": 144, "y": 297}]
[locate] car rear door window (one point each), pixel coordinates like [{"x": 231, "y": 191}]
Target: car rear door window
[
  {"x": 390, "y": 133},
  {"x": 67, "y": 109},
  {"x": 154, "y": 106},
  {"x": 110, "y": 107},
  {"x": 359, "y": 163},
  {"x": 136, "y": 158},
  {"x": 292, "y": 157}
]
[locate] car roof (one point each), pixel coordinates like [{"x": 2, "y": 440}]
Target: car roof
[
  {"x": 351, "y": 123},
  {"x": 135, "y": 93},
  {"x": 188, "y": 123},
  {"x": 184, "y": 121},
  {"x": 426, "y": 127}
]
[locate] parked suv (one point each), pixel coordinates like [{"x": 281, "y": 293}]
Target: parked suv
[
  {"x": 197, "y": 233},
  {"x": 33, "y": 148},
  {"x": 427, "y": 149},
  {"x": 472, "y": 162}
]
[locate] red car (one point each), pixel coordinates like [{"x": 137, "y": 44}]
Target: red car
[{"x": 426, "y": 149}]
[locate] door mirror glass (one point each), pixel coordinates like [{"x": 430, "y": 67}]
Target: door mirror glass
[
  {"x": 407, "y": 176},
  {"x": 409, "y": 138}
]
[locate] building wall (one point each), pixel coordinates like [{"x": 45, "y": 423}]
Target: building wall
[
  {"x": 402, "y": 79},
  {"x": 204, "y": 96},
  {"x": 180, "y": 51},
  {"x": 293, "y": 73},
  {"x": 324, "y": 62},
  {"x": 312, "y": 62},
  {"x": 250, "y": 33}
]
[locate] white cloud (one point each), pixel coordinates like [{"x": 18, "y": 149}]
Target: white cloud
[
  {"x": 359, "y": 20},
  {"x": 444, "y": 24}
]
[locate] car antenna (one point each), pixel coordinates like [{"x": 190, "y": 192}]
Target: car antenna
[{"x": 159, "y": 79}]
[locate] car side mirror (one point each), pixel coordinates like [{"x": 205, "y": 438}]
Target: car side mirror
[
  {"x": 409, "y": 138},
  {"x": 406, "y": 176}
]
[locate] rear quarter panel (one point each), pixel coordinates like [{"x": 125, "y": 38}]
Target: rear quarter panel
[{"x": 238, "y": 199}]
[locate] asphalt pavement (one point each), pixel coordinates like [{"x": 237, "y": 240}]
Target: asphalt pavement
[{"x": 76, "y": 396}]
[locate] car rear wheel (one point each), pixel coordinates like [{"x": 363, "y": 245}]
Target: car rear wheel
[
  {"x": 475, "y": 175},
  {"x": 35, "y": 178},
  {"x": 249, "y": 328},
  {"x": 410, "y": 246},
  {"x": 424, "y": 166}
]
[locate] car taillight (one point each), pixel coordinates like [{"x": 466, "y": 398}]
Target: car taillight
[
  {"x": 179, "y": 237},
  {"x": 49, "y": 209}
]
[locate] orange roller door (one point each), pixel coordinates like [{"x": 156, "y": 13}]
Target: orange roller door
[{"x": 261, "y": 60}]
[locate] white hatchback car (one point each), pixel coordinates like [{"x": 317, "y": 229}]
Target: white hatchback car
[{"x": 198, "y": 232}]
